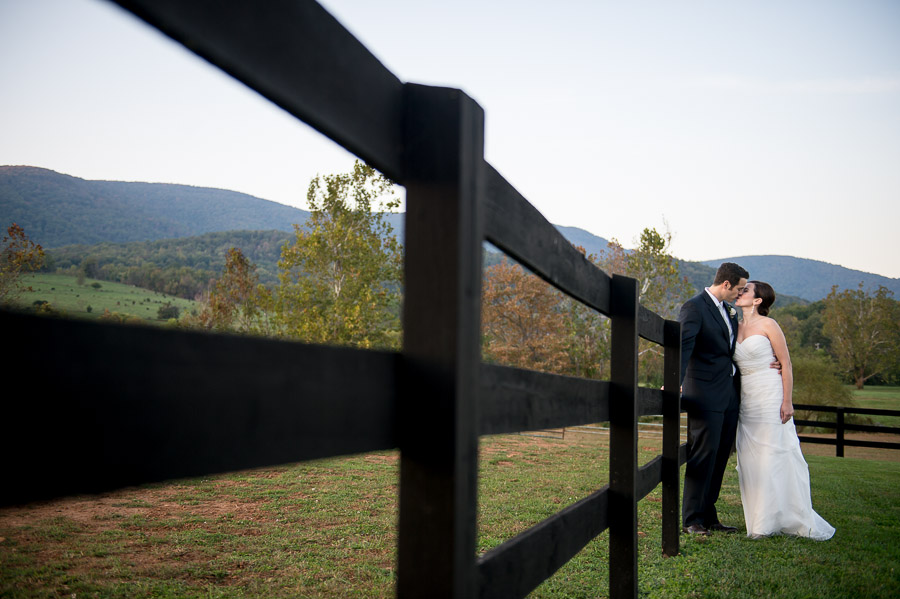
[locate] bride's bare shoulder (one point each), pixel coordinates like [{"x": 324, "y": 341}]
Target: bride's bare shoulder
[{"x": 772, "y": 329}]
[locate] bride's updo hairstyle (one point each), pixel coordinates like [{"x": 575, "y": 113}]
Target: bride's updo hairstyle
[{"x": 764, "y": 292}]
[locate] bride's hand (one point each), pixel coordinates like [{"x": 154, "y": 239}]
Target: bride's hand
[{"x": 787, "y": 412}]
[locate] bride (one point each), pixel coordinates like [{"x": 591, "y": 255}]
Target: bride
[{"x": 773, "y": 475}]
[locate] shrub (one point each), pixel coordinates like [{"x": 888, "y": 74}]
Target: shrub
[
  {"x": 817, "y": 382},
  {"x": 168, "y": 311}
]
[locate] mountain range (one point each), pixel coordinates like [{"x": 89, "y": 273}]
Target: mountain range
[{"x": 59, "y": 210}]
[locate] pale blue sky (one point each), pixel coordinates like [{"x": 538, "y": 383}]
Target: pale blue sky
[{"x": 765, "y": 127}]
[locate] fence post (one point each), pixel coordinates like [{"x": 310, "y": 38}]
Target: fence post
[
  {"x": 839, "y": 437},
  {"x": 623, "y": 417},
  {"x": 671, "y": 469},
  {"x": 437, "y": 420}
]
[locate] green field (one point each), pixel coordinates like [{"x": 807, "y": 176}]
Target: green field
[
  {"x": 880, "y": 398},
  {"x": 887, "y": 398},
  {"x": 91, "y": 298},
  {"x": 328, "y": 529}
]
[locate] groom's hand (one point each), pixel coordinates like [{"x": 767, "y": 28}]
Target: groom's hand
[{"x": 776, "y": 365}]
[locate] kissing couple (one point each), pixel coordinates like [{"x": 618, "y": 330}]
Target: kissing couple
[{"x": 737, "y": 383}]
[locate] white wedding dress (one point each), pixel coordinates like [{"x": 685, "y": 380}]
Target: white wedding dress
[{"x": 774, "y": 477}]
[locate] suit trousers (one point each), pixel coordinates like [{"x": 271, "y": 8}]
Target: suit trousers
[{"x": 711, "y": 438}]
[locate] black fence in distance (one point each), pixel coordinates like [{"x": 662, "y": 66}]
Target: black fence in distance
[{"x": 841, "y": 426}]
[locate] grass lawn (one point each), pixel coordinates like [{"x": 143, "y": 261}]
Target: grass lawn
[
  {"x": 881, "y": 398},
  {"x": 73, "y": 300},
  {"x": 328, "y": 529}
]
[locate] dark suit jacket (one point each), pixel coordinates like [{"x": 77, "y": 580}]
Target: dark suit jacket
[{"x": 706, "y": 355}]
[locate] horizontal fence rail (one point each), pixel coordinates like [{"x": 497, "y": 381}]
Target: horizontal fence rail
[
  {"x": 515, "y": 226},
  {"x": 121, "y": 405},
  {"x": 519, "y": 565},
  {"x": 841, "y": 426},
  {"x": 514, "y": 400},
  {"x": 128, "y": 405}
]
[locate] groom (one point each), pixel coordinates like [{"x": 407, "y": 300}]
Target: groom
[{"x": 710, "y": 395}]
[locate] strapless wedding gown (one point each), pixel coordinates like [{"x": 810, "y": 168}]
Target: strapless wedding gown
[{"x": 774, "y": 477}]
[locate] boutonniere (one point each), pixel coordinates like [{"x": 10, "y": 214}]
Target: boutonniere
[{"x": 731, "y": 311}]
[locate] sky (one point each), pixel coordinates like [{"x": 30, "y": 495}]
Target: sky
[{"x": 743, "y": 128}]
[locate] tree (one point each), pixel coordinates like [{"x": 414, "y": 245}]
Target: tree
[
  {"x": 817, "y": 382},
  {"x": 661, "y": 287},
  {"x": 527, "y": 323},
  {"x": 340, "y": 280},
  {"x": 864, "y": 330},
  {"x": 19, "y": 255},
  {"x": 802, "y": 325},
  {"x": 523, "y": 323},
  {"x": 237, "y": 302},
  {"x": 588, "y": 335},
  {"x": 168, "y": 311}
]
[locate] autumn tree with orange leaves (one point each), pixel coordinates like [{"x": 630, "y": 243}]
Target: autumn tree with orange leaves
[
  {"x": 18, "y": 255},
  {"x": 237, "y": 301},
  {"x": 529, "y": 324},
  {"x": 523, "y": 323}
]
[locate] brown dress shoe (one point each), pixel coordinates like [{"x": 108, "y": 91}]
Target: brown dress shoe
[
  {"x": 719, "y": 527},
  {"x": 696, "y": 529}
]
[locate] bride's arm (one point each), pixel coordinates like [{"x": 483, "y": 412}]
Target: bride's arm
[{"x": 779, "y": 345}]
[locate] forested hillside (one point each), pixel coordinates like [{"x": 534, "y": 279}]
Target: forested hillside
[
  {"x": 57, "y": 210},
  {"x": 809, "y": 279},
  {"x": 181, "y": 267}
]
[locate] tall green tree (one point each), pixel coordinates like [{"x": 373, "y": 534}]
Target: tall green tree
[
  {"x": 864, "y": 329},
  {"x": 661, "y": 287},
  {"x": 340, "y": 280},
  {"x": 18, "y": 255}
]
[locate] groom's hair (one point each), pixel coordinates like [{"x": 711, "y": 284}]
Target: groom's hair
[
  {"x": 764, "y": 292},
  {"x": 731, "y": 272}
]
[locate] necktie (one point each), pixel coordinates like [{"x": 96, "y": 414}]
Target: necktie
[
  {"x": 730, "y": 332},
  {"x": 727, "y": 321}
]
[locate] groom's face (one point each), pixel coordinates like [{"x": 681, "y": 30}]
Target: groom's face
[{"x": 732, "y": 292}]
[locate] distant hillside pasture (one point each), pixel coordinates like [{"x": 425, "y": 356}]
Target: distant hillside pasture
[{"x": 92, "y": 297}]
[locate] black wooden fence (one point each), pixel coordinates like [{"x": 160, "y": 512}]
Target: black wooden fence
[
  {"x": 840, "y": 426},
  {"x": 108, "y": 406}
]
